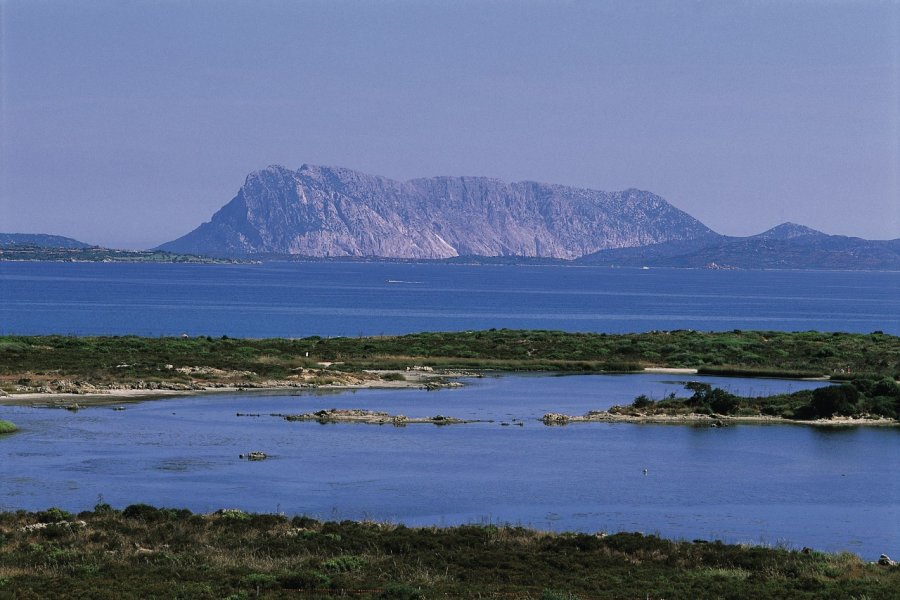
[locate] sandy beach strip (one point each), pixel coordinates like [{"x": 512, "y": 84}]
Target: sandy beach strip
[{"x": 414, "y": 380}]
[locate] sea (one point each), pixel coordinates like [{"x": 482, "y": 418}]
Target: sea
[
  {"x": 832, "y": 489},
  {"x": 359, "y": 298}
]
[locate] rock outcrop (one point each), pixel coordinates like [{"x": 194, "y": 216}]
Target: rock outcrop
[{"x": 333, "y": 212}]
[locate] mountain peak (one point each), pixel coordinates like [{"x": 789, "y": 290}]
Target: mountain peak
[
  {"x": 787, "y": 231},
  {"x": 333, "y": 211}
]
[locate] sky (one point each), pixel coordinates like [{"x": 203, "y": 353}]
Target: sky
[{"x": 127, "y": 124}]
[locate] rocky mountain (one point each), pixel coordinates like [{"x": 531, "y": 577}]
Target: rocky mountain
[
  {"x": 787, "y": 231},
  {"x": 323, "y": 212},
  {"x": 41, "y": 240},
  {"x": 787, "y": 246}
]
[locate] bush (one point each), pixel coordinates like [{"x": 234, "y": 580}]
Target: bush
[
  {"x": 305, "y": 580},
  {"x": 885, "y": 387},
  {"x": 151, "y": 514},
  {"x": 722, "y": 402},
  {"x": 557, "y": 595},
  {"x": 102, "y": 508},
  {"x": 883, "y": 406},
  {"x": 394, "y": 377},
  {"x": 835, "y": 399},
  {"x": 343, "y": 564},
  {"x": 802, "y": 413},
  {"x": 303, "y": 522},
  {"x": 401, "y": 592},
  {"x": 54, "y": 515},
  {"x": 7, "y": 427},
  {"x": 233, "y": 514},
  {"x": 259, "y": 581},
  {"x": 642, "y": 401}
]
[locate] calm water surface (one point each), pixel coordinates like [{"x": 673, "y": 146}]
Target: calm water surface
[
  {"x": 825, "y": 488},
  {"x": 328, "y": 299}
]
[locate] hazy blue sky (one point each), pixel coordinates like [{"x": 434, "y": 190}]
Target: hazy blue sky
[{"x": 129, "y": 123}]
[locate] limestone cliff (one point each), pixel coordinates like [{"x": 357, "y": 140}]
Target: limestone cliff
[{"x": 323, "y": 211}]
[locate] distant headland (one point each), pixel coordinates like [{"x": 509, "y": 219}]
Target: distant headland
[{"x": 318, "y": 212}]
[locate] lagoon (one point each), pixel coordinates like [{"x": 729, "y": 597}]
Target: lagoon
[{"x": 828, "y": 488}]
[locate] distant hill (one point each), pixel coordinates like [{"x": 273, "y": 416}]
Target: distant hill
[
  {"x": 55, "y": 248},
  {"x": 334, "y": 212},
  {"x": 39, "y": 239},
  {"x": 787, "y": 246},
  {"x": 327, "y": 213}
]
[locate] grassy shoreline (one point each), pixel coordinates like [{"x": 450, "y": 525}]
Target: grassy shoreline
[
  {"x": 76, "y": 371},
  {"x": 31, "y": 361},
  {"x": 144, "y": 551}
]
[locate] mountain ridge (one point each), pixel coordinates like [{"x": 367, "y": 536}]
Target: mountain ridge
[
  {"x": 321, "y": 211},
  {"x": 44, "y": 240},
  {"x": 786, "y": 246}
]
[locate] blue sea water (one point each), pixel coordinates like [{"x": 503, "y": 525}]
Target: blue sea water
[
  {"x": 350, "y": 298},
  {"x": 831, "y": 489}
]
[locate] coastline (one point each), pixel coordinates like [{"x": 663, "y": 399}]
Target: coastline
[
  {"x": 712, "y": 421},
  {"x": 51, "y": 399},
  {"x": 418, "y": 380}
]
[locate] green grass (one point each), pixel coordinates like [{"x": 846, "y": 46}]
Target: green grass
[
  {"x": 7, "y": 427},
  {"x": 147, "y": 552}
]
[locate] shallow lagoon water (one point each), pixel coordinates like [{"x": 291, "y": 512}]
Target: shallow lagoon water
[{"x": 831, "y": 489}]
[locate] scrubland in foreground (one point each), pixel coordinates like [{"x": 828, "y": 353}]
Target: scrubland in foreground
[{"x": 145, "y": 552}]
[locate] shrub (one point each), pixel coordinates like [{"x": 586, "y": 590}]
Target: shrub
[
  {"x": 7, "y": 427},
  {"x": 557, "y": 595},
  {"x": 883, "y": 406},
  {"x": 54, "y": 515},
  {"x": 305, "y": 580},
  {"x": 233, "y": 514},
  {"x": 344, "y": 564},
  {"x": 886, "y": 387},
  {"x": 401, "y": 592},
  {"x": 303, "y": 522},
  {"x": 802, "y": 413},
  {"x": 835, "y": 399},
  {"x": 260, "y": 581},
  {"x": 722, "y": 402},
  {"x": 143, "y": 512},
  {"x": 642, "y": 401},
  {"x": 102, "y": 508},
  {"x": 151, "y": 514}
]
